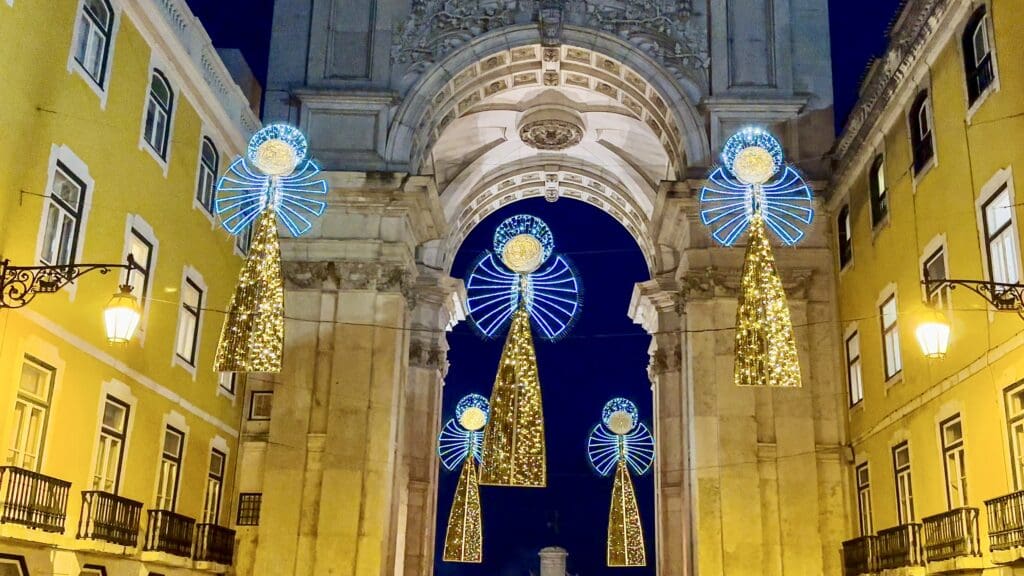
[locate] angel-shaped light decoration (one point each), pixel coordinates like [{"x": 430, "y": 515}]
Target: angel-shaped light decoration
[
  {"x": 274, "y": 180},
  {"x": 461, "y": 442},
  {"x": 520, "y": 282},
  {"x": 621, "y": 442},
  {"x": 753, "y": 190}
]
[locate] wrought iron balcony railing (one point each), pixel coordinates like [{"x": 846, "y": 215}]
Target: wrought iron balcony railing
[
  {"x": 33, "y": 499},
  {"x": 1006, "y": 521},
  {"x": 952, "y": 534},
  {"x": 109, "y": 518},
  {"x": 169, "y": 532},
  {"x": 859, "y": 555},
  {"x": 214, "y": 544},
  {"x": 900, "y": 547}
]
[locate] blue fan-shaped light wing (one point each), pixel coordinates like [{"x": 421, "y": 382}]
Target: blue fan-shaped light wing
[
  {"x": 724, "y": 206},
  {"x": 638, "y": 448},
  {"x": 244, "y": 192},
  {"x": 241, "y": 196},
  {"x": 554, "y": 298},
  {"x": 493, "y": 294},
  {"x": 787, "y": 206},
  {"x": 603, "y": 450},
  {"x": 300, "y": 196},
  {"x": 455, "y": 444}
]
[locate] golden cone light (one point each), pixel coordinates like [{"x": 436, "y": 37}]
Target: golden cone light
[
  {"x": 625, "y": 533},
  {"x": 463, "y": 540},
  {"x": 121, "y": 316}
]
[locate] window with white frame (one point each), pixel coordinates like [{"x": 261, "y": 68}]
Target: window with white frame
[
  {"x": 110, "y": 450},
  {"x": 1001, "y": 237},
  {"x": 853, "y": 375},
  {"x": 63, "y": 222},
  {"x": 159, "y": 105},
  {"x": 141, "y": 250},
  {"x": 921, "y": 136},
  {"x": 260, "y": 403},
  {"x": 214, "y": 487},
  {"x": 953, "y": 462},
  {"x": 189, "y": 321},
  {"x": 1014, "y": 397},
  {"x": 845, "y": 236},
  {"x": 934, "y": 268},
  {"x": 12, "y": 565},
  {"x": 93, "y": 33},
  {"x": 228, "y": 382},
  {"x": 93, "y": 570},
  {"x": 904, "y": 488},
  {"x": 243, "y": 240},
  {"x": 170, "y": 469},
  {"x": 31, "y": 413},
  {"x": 878, "y": 191},
  {"x": 977, "y": 50},
  {"x": 890, "y": 337},
  {"x": 207, "y": 182},
  {"x": 864, "y": 500}
]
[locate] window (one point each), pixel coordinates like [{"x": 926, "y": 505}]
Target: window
[
  {"x": 853, "y": 375},
  {"x": 904, "y": 491},
  {"x": 977, "y": 49},
  {"x": 141, "y": 250},
  {"x": 31, "y": 411},
  {"x": 11, "y": 565},
  {"x": 170, "y": 469},
  {"x": 1001, "y": 238},
  {"x": 921, "y": 143},
  {"x": 864, "y": 499},
  {"x": 110, "y": 451},
  {"x": 157, "y": 129},
  {"x": 188, "y": 321},
  {"x": 208, "y": 160},
  {"x": 249, "y": 508},
  {"x": 63, "y": 218},
  {"x": 214, "y": 486},
  {"x": 844, "y": 235},
  {"x": 93, "y": 570},
  {"x": 935, "y": 269},
  {"x": 953, "y": 462},
  {"x": 260, "y": 404},
  {"x": 228, "y": 382},
  {"x": 890, "y": 338},
  {"x": 878, "y": 191},
  {"x": 95, "y": 25},
  {"x": 243, "y": 240},
  {"x": 1015, "y": 423}
]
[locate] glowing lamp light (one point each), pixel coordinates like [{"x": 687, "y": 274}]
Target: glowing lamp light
[
  {"x": 122, "y": 315},
  {"x": 933, "y": 337}
]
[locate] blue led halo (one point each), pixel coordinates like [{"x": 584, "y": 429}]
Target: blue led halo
[
  {"x": 473, "y": 401},
  {"x": 524, "y": 224},
  {"x": 605, "y": 448},
  {"x": 619, "y": 405},
  {"x": 752, "y": 137},
  {"x": 288, "y": 134},
  {"x": 455, "y": 444}
]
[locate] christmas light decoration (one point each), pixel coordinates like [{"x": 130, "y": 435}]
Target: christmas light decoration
[
  {"x": 460, "y": 443},
  {"x": 622, "y": 443},
  {"x": 754, "y": 191},
  {"x": 274, "y": 181},
  {"x": 521, "y": 283}
]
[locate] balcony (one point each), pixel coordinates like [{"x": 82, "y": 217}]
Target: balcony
[
  {"x": 900, "y": 547},
  {"x": 109, "y": 518},
  {"x": 169, "y": 533},
  {"x": 1006, "y": 527},
  {"x": 952, "y": 541},
  {"x": 32, "y": 499},
  {"x": 859, "y": 556},
  {"x": 214, "y": 544}
]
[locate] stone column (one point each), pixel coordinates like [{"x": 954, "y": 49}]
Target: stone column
[
  {"x": 552, "y": 561},
  {"x": 656, "y": 306},
  {"x": 334, "y": 497}
]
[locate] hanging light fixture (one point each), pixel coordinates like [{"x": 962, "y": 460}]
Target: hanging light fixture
[
  {"x": 122, "y": 315},
  {"x": 933, "y": 336}
]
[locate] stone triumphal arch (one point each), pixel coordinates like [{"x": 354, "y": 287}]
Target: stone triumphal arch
[{"x": 428, "y": 118}]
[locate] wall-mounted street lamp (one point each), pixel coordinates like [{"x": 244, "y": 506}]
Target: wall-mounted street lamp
[
  {"x": 19, "y": 285},
  {"x": 933, "y": 335}
]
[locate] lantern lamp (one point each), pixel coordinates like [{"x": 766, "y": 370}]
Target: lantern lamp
[
  {"x": 122, "y": 315},
  {"x": 933, "y": 336}
]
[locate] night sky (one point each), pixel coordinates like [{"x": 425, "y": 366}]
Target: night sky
[{"x": 605, "y": 355}]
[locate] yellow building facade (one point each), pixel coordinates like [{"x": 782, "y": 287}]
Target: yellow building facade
[
  {"x": 925, "y": 187},
  {"x": 118, "y": 118}
]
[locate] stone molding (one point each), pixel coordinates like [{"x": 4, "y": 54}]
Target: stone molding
[
  {"x": 424, "y": 354},
  {"x": 550, "y": 134},
  {"x": 349, "y": 275},
  {"x": 713, "y": 282}
]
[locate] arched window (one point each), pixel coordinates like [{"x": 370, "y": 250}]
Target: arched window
[
  {"x": 208, "y": 160},
  {"x": 921, "y": 137},
  {"x": 977, "y": 49},
  {"x": 879, "y": 193},
  {"x": 843, "y": 233},
  {"x": 95, "y": 26},
  {"x": 158, "y": 114}
]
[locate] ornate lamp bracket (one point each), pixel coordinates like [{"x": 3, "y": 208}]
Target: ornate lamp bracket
[
  {"x": 19, "y": 285},
  {"x": 1002, "y": 296}
]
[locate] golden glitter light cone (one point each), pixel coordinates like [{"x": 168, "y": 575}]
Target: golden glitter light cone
[
  {"x": 463, "y": 541},
  {"x": 252, "y": 339},
  {"x": 514, "y": 451},
  {"x": 765, "y": 348},
  {"x": 625, "y": 534}
]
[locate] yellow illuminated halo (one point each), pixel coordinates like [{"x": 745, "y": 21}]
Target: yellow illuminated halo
[
  {"x": 753, "y": 165},
  {"x": 620, "y": 422},
  {"x": 275, "y": 157},
  {"x": 473, "y": 419},
  {"x": 523, "y": 254}
]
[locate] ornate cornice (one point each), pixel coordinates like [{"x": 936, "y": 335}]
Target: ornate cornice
[
  {"x": 423, "y": 354},
  {"x": 349, "y": 275},
  {"x": 715, "y": 282},
  {"x": 915, "y": 26}
]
